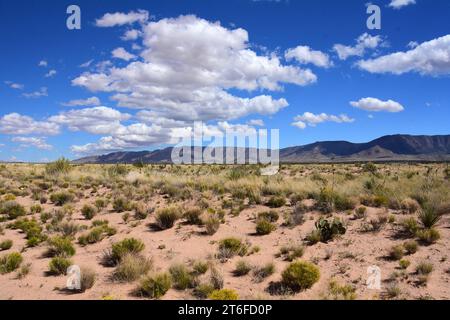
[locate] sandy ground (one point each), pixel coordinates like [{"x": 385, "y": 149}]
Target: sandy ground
[{"x": 351, "y": 255}]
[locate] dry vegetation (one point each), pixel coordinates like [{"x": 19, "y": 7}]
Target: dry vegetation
[{"x": 224, "y": 232}]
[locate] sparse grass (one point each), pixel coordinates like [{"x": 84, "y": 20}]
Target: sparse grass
[
  {"x": 131, "y": 267},
  {"x": 230, "y": 247},
  {"x": 242, "y": 268},
  {"x": 166, "y": 217},
  {"x": 88, "y": 211},
  {"x": 396, "y": 252},
  {"x": 10, "y": 262},
  {"x": 262, "y": 272},
  {"x": 60, "y": 198},
  {"x": 338, "y": 291},
  {"x": 404, "y": 263},
  {"x": 155, "y": 286},
  {"x": 212, "y": 224},
  {"x": 411, "y": 246},
  {"x": 428, "y": 236},
  {"x": 6, "y": 245},
  {"x": 181, "y": 277},
  {"x": 193, "y": 216},
  {"x": 12, "y": 209},
  {"x": 291, "y": 252},
  {"x": 88, "y": 278},
  {"x": 122, "y": 248}
]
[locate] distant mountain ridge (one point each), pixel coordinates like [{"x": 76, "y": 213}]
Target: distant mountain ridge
[{"x": 387, "y": 148}]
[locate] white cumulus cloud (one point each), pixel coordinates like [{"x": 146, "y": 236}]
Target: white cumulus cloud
[
  {"x": 305, "y": 55},
  {"x": 397, "y": 4},
  {"x": 39, "y": 143},
  {"x": 121, "y": 53},
  {"x": 311, "y": 119},
  {"x": 120, "y": 18},
  {"x": 377, "y": 105},
  {"x": 92, "y": 101},
  {"x": 16, "y": 124},
  {"x": 363, "y": 42}
]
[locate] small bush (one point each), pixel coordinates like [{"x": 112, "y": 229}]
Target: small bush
[
  {"x": 126, "y": 246},
  {"x": 404, "y": 263},
  {"x": 216, "y": 279},
  {"x": 10, "y": 262},
  {"x": 212, "y": 224},
  {"x": 155, "y": 286},
  {"x": 296, "y": 217},
  {"x": 200, "y": 267},
  {"x": 341, "y": 292},
  {"x": 166, "y": 218},
  {"x": 360, "y": 212},
  {"x": 264, "y": 227},
  {"x": 410, "y": 247},
  {"x": 203, "y": 290},
  {"x": 193, "y": 216},
  {"x": 410, "y": 226},
  {"x": 59, "y": 246},
  {"x": 262, "y": 272},
  {"x": 300, "y": 275},
  {"x": 271, "y": 216},
  {"x": 409, "y": 205},
  {"x": 276, "y": 202},
  {"x": 6, "y": 245},
  {"x": 328, "y": 230},
  {"x": 88, "y": 277},
  {"x": 59, "y": 265},
  {"x": 121, "y": 204},
  {"x": 60, "y": 166},
  {"x": 12, "y": 209},
  {"x": 62, "y": 197},
  {"x": 140, "y": 212},
  {"x": 313, "y": 237},
  {"x": 397, "y": 252},
  {"x": 181, "y": 277},
  {"x": 88, "y": 212},
  {"x": 131, "y": 267},
  {"x": 223, "y": 295},
  {"x": 24, "y": 271},
  {"x": 230, "y": 247},
  {"x": 424, "y": 268},
  {"x": 290, "y": 253},
  {"x": 242, "y": 268},
  {"x": 428, "y": 236},
  {"x": 429, "y": 217}
]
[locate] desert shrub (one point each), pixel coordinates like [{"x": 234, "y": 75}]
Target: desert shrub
[
  {"x": 45, "y": 216},
  {"x": 328, "y": 230},
  {"x": 397, "y": 252},
  {"x": 360, "y": 212},
  {"x": 97, "y": 234},
  {"x": 262, "y": 272},
  {"x": 428, "y": 216},
  {"x": 60, "y": 166},
  {"x": 328, "y": 200},
  {"x": 276, "y": 201},
  {"x": 166, "y": 217},
  {"x": 88, "y": 211},
  {"x": 126, "y": 246},
  {"x": 24, "y": 270},
  {"x": 410, "y": 226},
  {"x": 32, "y": 229},
  {"x": 271, "y": 216},
  {"x": 409, "y": 205},
  {"x": 131, "y": 267},
  {"x": 193, "y": 216},
  {"x": 6, "y": 245},
  {"x": 300, "y": 275},
  {"x": 200, "y": 267},
  {"x": 313, "y": 237},
  {"x": 404, "y": 263},
  {"x": 87, "y": 280},
  {"x": 181, "y": 277},
  {"x": 12, "y": 209},
  {"x": 292, "y": 252},
  {"x": 428, "y": 236},
  {"x": 410, "y": 247},
  {"x": 59, "y": 246},
  {"x": 424, "y": 268},
  {"x": 117, "y": 170},
  {"x": 242, "y": 268},
  {"x": 216, "y": 279},
  {"x": 61, "y": 197},
  {"x": 230, "y": 247},
  {"x": 212, "y": 224},
  {"x": 59, "y": 265},
  {"x": 370, "y": 167},
  {"x": 203, "y": 290},
  {"x": 121, "y": 204},
  {"x": 100, "y": 203},
  {"x": 69, "y": 229},
  {"x": 10, "y": 262},
  {"x": 341, "y": 292},
  {"x": 264, "y": 227},
  {"x": 140, "y": 212},
  {"x": 36, "y": 208},
  {"x": 155, "y": 286},
  {"x": 223, "y": 294}
]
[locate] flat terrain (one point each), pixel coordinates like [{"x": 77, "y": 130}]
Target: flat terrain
[{"x": 395, "y": 216}]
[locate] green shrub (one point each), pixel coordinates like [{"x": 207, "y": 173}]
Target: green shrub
[
  {"x": 223, "y": 295},
  {"x": 410, "y": 247},
  {"x": 203, "y": 290},
  {"x": 87, "y": 280},
  {"x": 328, "y": 230},
  {"x": 397, "y": 252},
  {"x": 131, "y": 267},
  {"x": 264, "y": 227},
  {"x": 410, "y": 226},
  {"x": 59, "y": 246},
  {"x": 140, "y": 212},
  {"x": 88, "y": 211},
  {"x": 6, "y": 245},
  {"x": 424, "y": 268},
  {"x": 97, "y": 234},
  {"x": 60, "y": 166},
  {"x": 120, "y": 249},
  {"x": 230, "y": 247},
  {"x": 36, "y": 208},
  {"x": 10, "y": 262},
  {"x": 276, "y": 202},
  {"x": 290, "y": 253},
  {"x": 100, "y": 203},
  {"x": 181, "y": 277},
  {"x": 262, "y": 272},
  {"x": 200, "y": 267},
  {"x": 121, "y": 204},
  {"x": 429, "y": 217},
  {"x": 62, "y": 197},
  {"x": 12, "y": 209},
  {"x": 428, "y": 236},
  {"x": 300, "y": 275},
  {"x": 59, "y": 265},
  {"x": 212, "y": 224},
  {"x": 166, "y": 217},
  {"x": 155, "y": 286},
  {"x": 313, "y": 237},
  {"x": 341, "y": 292},
  {"x": 271, "y": 216},
  {"x": 32, "y": 229},
  {"x": 404, "y": 263},
  {"x": 242, "y": 268},
  {"x": 360, "y": 212},
  {"x": 193, "y": 216}
]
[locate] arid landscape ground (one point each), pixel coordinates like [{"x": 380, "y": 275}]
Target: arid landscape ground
[{"x": 225, "y": 232}]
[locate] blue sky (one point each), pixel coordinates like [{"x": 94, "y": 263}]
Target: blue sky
[{"x": 309, "y": 68}]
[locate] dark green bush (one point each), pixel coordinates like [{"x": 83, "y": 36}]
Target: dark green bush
[
  {"x": 10, "y": 262},
  {"x": 155, "y": 286}
]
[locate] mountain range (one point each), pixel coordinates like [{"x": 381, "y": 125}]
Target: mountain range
[{"x": 387, "y": 148}]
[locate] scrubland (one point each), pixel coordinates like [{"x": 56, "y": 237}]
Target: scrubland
[{"x": 224, "y": 232}]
